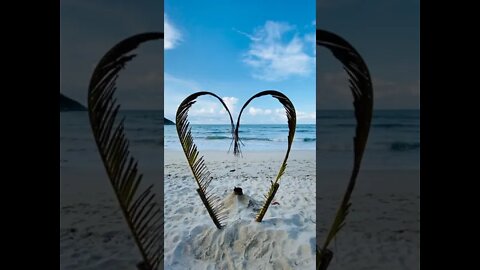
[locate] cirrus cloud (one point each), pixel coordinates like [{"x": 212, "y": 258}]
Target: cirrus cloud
[
  {"x": 276, "y": 55},
  {"x": 173, "y": 36}
]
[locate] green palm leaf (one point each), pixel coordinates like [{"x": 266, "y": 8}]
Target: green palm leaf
[
  {"x": 197, "y": 164},
  {"x": 362, "y": 90},
  {"x": 292, "y": 121},
  {"x": 143, "y": 215}
]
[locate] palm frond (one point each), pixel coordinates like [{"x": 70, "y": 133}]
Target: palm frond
[
  {"x": 362, "y": 90},
  {"x": 142, "y": 213},
  {"x": 197, "y": 164},
  {"x": 323, "y": 258},
  {"x": 292, "y": 122}
]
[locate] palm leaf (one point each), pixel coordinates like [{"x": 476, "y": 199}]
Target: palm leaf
[
  {"x": 362, "y": 89},
  {"x": 143, "y": 215},
  {"x": 197, "y": 164},
  {"x": 292, "y": 121}
]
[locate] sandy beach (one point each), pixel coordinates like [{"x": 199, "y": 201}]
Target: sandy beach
[
  {"x": 285, "y": 239},
  {"x": 382, "y": 231},
  {"x": 383, "y": 226},
  {"x": 93, "y": 231}
]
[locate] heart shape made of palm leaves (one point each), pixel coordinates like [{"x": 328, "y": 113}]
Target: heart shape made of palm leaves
[{"x": 197, "y": 163}]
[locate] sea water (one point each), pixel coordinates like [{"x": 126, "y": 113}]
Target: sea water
[{"x": 394, "y": 140}]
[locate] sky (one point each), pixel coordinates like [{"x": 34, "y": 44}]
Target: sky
[
  {"x": 237, "y": 49},
  {"x": 89, "y": 28},
  {"x": 387, "y": 35}
]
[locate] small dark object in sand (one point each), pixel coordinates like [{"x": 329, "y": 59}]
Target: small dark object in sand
[
  {"x": 238, "y": 191},
  {"x": 275, "y": 203},
  {"x": 232, "y": 170}
]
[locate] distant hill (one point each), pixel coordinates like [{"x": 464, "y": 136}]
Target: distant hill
[
  {"x": 167, "y": 122},
  {"x": 68, "y": 104}
]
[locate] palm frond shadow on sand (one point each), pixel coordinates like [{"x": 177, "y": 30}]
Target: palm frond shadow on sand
[
  {"x": 142, "y": 213},
  {"x": 362, "y": 90}
]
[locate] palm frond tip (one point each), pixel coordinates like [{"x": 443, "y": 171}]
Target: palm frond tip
[{"x": 142, "y": 213}]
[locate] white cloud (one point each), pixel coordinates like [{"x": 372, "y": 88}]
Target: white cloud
[
  {"x": 274, "y": 57},
  {"x": 230, "y": 102},
  {"x": 281, "y": 114},
  {"x": 210, "y": 110},
  {"x": 172, "y": 35},
  {"x": 301, "y": 116},
  {"x": 278, "y": 115},
  {"x": 258, "y": 111},
  {"x": 305, "y": 116},
  {"x": 204, "y": 108},
  {"x": 245, "y": 34}
]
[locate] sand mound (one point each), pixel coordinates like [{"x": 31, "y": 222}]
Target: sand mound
[
  {"x": 244, "y": 243},
  {"x": 285, "y": 239}
]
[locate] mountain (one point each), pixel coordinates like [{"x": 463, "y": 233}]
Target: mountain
[
  {"x": 167, "y": 122},
  {"x": 68, "y": 104}
]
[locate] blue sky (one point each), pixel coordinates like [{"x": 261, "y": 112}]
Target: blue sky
[
  {"x": 387, "y": 34},
  {"x": 236, "y": 49},
  {"x": 89, "y": 28},
  {"x": 212, "y": 51}
]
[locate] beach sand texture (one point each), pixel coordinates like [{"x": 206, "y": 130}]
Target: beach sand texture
[
  {"x": 382, "y": 229},
  {"x": 285, "y": 239}
]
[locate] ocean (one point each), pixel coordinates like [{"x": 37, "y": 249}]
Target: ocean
[
  {"x": 394, "y": 141},
  {"x": 254, "y": 137}
]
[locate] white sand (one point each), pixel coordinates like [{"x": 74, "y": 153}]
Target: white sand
[
  {"x": 93, "y": 232},
  {"x": 383, "y": 226},
  {"x": 284, "y": 240},
  {"x": 382, "y": 230}
]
